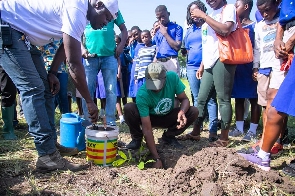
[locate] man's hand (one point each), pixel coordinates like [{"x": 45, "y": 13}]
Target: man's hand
[
  {"x": 158, "y": 164},
  {"x": 280, "y": 49},
  {"x": 53, "y": 83},
  {"x": 181, "y": 119},
  {"x": 254, "y": 74},
  {"x": 85, "y": 54},
  {"x": 163, "y": 29},
  {"x": 92, "y": 111},
  {"x": 119, "y": 50}
]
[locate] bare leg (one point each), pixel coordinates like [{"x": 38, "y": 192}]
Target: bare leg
[
  {"x": 255, "y": 111},
  {"x": 239, "y": 109},
  {"x": 272, "y": 129},
  {"x": 118, "y": 106}
]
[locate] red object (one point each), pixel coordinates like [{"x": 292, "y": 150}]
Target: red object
[{"x": 287, "y": 62}]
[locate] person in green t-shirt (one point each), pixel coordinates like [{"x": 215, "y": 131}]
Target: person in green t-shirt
[
  {"x": 155, "y": 108},
  {"x": 100, "y": 53}
]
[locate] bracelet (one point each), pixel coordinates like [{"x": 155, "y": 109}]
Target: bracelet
[{"x": 52, "y": 72}]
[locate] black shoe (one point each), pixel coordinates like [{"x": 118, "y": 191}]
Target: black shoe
[
  {"x": 134, "y": 144},
  {"x": 171, "y": 140}
]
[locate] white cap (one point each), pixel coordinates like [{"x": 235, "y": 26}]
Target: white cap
[{"x": 112, "y": 6}]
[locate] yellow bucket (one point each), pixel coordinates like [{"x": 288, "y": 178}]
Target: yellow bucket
[{"x": 101, "y": 146}]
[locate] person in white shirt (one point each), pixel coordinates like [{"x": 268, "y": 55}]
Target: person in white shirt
[
  {"x": 217, "y": 75},
  {"x": 30, "y": 23}
]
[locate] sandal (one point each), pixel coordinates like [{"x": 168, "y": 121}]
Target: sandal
[
  {"x": 189, "y": 136},
  {"x": 219, "y": 143},
  {"x": 290, "y": 169}
]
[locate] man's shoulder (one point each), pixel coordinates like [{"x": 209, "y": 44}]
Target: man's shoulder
[{"x": 174, "y": 25}]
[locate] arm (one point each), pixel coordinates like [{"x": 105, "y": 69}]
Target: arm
[
  {"x": 58, "y": 59},
  {"x": 173, "y": 44},
  {"x": 119, "y": 68},
  {"x": 290, "y": 43},
  {"x": 279, "y": 45},
  {"x": 200, "y": 71},
  {"x": 223, "y": 29},
  {"x": 256, "y": 60},
  {"x": 184, "y": 106},
  {"x": 149, "y": 138},
  {"x": 72, "y": 49},
  {"x": 121, "y": 45}
]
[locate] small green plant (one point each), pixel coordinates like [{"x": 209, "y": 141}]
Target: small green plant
[
  {"x": 142, "y": 158},
  {"x": 123, "y": 158},
  {"x": 128, "y": 158}
]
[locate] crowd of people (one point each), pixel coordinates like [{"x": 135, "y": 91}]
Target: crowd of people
[{"x": 143, "y": 65}]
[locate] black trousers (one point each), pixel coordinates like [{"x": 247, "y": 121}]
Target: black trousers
[
  {"x": 7, "y": 89},
  {"x": 168, "y": 121}
]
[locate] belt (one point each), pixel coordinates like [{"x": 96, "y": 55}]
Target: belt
[{"x": 165, "y": 59}]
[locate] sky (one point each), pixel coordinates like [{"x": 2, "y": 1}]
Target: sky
[{"x": 142, "y": 12}]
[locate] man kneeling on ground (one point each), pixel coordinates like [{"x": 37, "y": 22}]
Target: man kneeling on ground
[{"x": 155, "y": 108}]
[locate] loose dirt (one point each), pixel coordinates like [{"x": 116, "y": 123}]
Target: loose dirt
[{"x": 194, "y": 170}]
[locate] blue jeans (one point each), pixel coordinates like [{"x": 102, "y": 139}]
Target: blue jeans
[
  {"x": 195, "y": 83},
  {"x": 109, "y": 68},
  {"x": 61, "y": 99},
  {"x": 26, "y": 69}
]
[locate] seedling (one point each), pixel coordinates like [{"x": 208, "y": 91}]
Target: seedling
[
  {"x": 142, "y": 158},
  {"x": 124, "y": 158}
]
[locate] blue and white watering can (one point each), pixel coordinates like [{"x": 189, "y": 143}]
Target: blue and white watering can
[{"x": 72, "y": 133}]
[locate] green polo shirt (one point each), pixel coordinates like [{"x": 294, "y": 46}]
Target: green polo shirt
[{"x": 102, "y": 41}]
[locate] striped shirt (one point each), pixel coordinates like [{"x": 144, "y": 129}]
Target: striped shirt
[{"x": 144, "y": 58}]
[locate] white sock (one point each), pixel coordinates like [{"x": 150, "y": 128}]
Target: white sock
[
  {"x": 240, "y": 126},
  {"x": 253, "y": 128},
  {"x": 263, "y": 155}
]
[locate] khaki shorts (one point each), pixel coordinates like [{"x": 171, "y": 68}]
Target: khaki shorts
[
  {"x": 262, "y": 87},
  {"x": 171, "y": 65},
  {"x": 277, "y": 78}
]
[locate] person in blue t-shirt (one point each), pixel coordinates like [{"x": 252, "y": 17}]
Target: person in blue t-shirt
[
  {"x": 193, "y": 50},
  {"x": 168, "y": 39}
]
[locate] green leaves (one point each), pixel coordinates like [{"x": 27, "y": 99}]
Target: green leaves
[
  {"x": 123, "y": 155},
  {"x": 141, "y": 165},
  {"x": 123, "y": 158},
  {"x": 128, "y": 158},
  {"x": 119, "y": 162}
]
